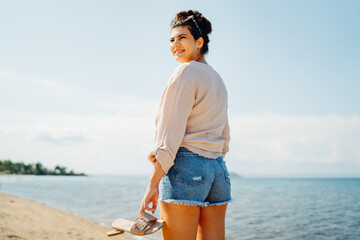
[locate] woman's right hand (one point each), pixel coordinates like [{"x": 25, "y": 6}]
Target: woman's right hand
[
  {"x": 152, "y": 191},
  {"x": 151, "y": 196}
]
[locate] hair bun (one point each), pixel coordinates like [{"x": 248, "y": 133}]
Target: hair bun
[{"x": 203, "y": 23}]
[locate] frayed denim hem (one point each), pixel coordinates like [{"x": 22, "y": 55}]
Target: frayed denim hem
[
  {"x": 219, "y": 203},
  {"x": 192, "y": 203},
  {"x": 189, "y": 203}
]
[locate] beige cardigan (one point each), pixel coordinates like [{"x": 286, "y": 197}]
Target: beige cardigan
[{"x": 193, "y": 114}]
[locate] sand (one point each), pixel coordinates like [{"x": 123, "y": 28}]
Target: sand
[{"x": 25, "y": 219}]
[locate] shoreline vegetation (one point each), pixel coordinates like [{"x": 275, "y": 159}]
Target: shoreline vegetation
[{"x": 9, "y": 167}]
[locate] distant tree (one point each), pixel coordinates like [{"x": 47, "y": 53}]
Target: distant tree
[
  {"x": 8, "y": 166},
  {"x": 60, "y": 170},
  {"x": 29, "y": 169},
  {"x": 57, "y": 170},
  {"x": 63, "y": 171},
  {"x": 39, "y": 169},
  {"x": 19, "y": 167}
]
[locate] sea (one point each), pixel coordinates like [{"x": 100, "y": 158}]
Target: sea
[{"x": 261, "y": 208}]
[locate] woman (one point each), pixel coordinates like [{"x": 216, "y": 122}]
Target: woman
[{"x": 192, "y": 137}]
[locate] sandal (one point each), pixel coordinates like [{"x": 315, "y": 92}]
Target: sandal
[
  {"x": 114, "y": 233},
  {"x": 144, "y": 225}
]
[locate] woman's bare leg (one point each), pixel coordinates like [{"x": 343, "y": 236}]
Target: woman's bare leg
[
  {"x": 212, "y": 223},
  {"x": 181, "y": 222}
]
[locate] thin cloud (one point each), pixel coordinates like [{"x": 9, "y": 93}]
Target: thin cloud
[
  {"x": 63, "y": 139},
  {"x": 262, "y": 143},
  {"x": 120, "y": 143}
]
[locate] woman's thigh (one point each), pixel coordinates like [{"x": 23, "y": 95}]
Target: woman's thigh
[
  {"x": 181, "y": 222},
  {"x": 212, "y": 223}
]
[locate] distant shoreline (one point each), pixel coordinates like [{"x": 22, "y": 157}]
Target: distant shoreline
[
  {"x": 25, "y": 174},
  {"x": 9, "y": 167}
]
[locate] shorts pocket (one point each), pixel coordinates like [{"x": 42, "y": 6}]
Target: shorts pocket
[
  {"x": 189, "y": 170},
  {"x": 226, "y": 172}
]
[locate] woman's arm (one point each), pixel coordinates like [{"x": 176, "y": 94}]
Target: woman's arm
[
  {"x": 176, "y": 104},
  {"x": 175, "y": 107},
  {"x": 152, "y": 192}
]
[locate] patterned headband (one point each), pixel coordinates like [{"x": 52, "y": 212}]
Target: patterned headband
[{"x": 196, "y": 24}]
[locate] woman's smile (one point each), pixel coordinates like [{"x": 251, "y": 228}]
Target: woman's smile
[{"x": 179, "y": 51}]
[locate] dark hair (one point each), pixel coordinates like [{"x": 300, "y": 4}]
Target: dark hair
[{"x": 197, "y": 24}]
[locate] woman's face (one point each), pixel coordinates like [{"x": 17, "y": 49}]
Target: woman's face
[{"x": 183, "y": 45}]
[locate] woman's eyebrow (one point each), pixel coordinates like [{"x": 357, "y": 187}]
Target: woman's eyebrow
[{"x": 183, "y": 34}]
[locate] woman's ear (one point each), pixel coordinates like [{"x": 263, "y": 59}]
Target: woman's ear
[{"x": 199, "y": 43}]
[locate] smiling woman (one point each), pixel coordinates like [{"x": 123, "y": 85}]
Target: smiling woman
[
  {"x": 191, "y": 140},
  {"x": 189, "y": 36}
]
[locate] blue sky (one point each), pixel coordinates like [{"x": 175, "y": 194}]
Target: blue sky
[{"x": 80, "y": 81}]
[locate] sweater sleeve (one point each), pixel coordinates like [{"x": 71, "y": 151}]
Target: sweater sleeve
[
  {"x": 175, "y": 107},
  {"x": 226, "y": 136}
]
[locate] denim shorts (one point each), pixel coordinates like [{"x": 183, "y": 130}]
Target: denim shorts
[{"x": 194, "y": 180}]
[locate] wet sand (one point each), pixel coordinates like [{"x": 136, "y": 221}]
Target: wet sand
[{"x": 25, "y": 219}]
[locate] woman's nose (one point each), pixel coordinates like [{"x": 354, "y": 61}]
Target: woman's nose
[{"x": 175, "y": 42}]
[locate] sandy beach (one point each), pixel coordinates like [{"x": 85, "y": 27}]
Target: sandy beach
[{"x": 25, "y": 219}]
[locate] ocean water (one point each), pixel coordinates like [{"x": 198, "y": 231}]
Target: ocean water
[{"x": 261, "y": 208}]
